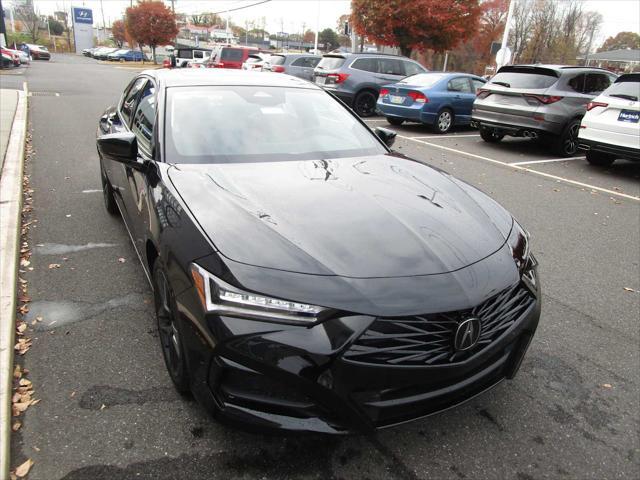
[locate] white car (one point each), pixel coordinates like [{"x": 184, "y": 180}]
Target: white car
[
  {"x": 24, "y": 57},
  {"x": 255, "y": 61},
  {"x": 611, "y": 127}
]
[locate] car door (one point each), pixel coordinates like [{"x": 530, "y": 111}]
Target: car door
[
  {"x": 302, "y": 67},
  {"x": 461, "y": 97},
  {"x": 142, "y": 126}
]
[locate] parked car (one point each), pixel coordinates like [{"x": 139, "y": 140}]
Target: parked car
[
  {"x": 336, "y": 286},
  {"x": 126, "y": 55},
  {"x": 6, "y": 60},
  {"x": 103, "y": 53},
  {"x": 439, "y": 99},
  {"x": 22, "y": 56},
  {"x": 38, "y": 52},
  {"x": 356, "y": 78},
  {"x": 538, "y": 101},
  {"x": 299, "y": 65},
  {"x": 611, "y": 127},
  {"x": 229, "y": 57},
  {"x": 255, "y": 62},
  {"x": 15, "y": 58},
  {"x": 186, "y": 56}
]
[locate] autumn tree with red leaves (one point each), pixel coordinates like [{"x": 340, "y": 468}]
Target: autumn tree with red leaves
[
  {"x": 417, "y": 24},
  {"x": 151, "y": 23},
  {"x": 119, "y": 33}
]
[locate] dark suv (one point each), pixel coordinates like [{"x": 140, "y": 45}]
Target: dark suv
[
  {"x": 536, "y": 101},
  {"x": 356, "y": 78}
]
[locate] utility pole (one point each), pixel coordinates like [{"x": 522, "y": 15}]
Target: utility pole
[
  {"x": 315, "y": 45},
  {"x": 505, "y": 37},
  {"x": 104, "y": 26}
]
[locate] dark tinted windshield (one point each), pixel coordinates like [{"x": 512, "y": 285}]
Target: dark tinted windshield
[
  {"x": 331, "y": 63},
  {"x": 184, "y": 53},
  {"x": 424, "y": 79},
  {"x": 276, "y": 60},
  {"x": 255, "y": 124},
  {"x": 231, "y": 54},
  {"x": 525, "y": 78}
]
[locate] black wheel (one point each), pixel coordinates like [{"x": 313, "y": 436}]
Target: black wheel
[
  {"x": 107, "y": 195},
  {"x": 365, "y": 103},
  {"x": 444, "y": 121},
  {"x": 395, "y": 121},
  {"x": 566, "y": 144},
  {"x": 490, "y": 135},
  {"x": 169, "y": 330},
  {"x": 600, "y": 159}
]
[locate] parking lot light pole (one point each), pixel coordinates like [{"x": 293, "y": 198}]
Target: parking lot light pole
[
  {"x": 315, "y": 46},
  {"x": 505, "y": 35}
]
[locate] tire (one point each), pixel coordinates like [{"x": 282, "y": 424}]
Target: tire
[
  {"x": 490, "y": 135},
  {"x": 444, "y": 121},
  {"x": 169, "y": 329},
  {"x": 395, "y": 121},
  {"x": 600, "y": 159},
  {"x": 566, "y": 145},
  {"x": 364, "y": 103},
  {"x": 107, "y": 195}
]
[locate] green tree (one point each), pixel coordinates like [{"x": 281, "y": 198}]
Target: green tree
[
  {"x": 329, "y": 38},
  {"x": 622, "y": 40},
  {"x": 55, "y": 27}
]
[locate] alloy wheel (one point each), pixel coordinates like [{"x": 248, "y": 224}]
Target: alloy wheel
[
  {"x": 570, "y": 142},
  {"x": 444, "y": 121},
  {"x": 365, "y": 104},
  {"x": 167, "y": 327}
]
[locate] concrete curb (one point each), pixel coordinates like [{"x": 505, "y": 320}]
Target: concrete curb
[{"x": 10, "y": 226}]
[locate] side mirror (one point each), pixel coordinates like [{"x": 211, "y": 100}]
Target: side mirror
[
  {"x": 386, "y": 135},
  {"x": 121, "y": 147}
]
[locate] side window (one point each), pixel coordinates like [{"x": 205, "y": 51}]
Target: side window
[
  {"x": 129, "y": 100},
  {"x": 198, "y": 54},
  {"x": 300, "y": 62},
  {"x": 411, "y": 68},
  {"x": 596, "y": 83},
  {"x": 366, "y": 64},
  {"x": 145, "y": 117},
  {"x": 459, "y": 84},
  {"x": 476, "y": 84},
  {"x": 391, "y": 66},
  {"x": 313, "y": 61},
  {"x": 577, "y": 83}
]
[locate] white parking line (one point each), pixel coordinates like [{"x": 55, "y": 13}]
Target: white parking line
[
  {"x": 548, "y": 161},
  {"x": 525, "y": 169},
  {"x": 451, "y": 136},
  {"x": 374, "y": 119}
]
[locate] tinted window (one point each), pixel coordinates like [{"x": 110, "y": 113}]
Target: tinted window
[
  {"x": 305, "y": 62},
  {"x": 411, "y": 68},
  {"x": 231, "y": 54},
  {"x": 184, "y": 53},
  {"x": 144, "y": 118},
  {"x": 198, "y": 54},
  {"x": 257, "y": 123},
  {"x": 459, "y": 84},
  {"x": 576, "y": 83},
  {"x": 366, "y": 64},
  {"x": 596, "y": 83},
  {"x": 524, "y": 79},
  {"x": 129, "y": 102},
  {"x": 628, "y": 90},
  {"x": 424, "y": 79},
  {"x": 331, "y": 63},
  {"x": 477, "y": 84},
  {"x": 391, "y": 66},
  {"x": 276, "y": 60}
]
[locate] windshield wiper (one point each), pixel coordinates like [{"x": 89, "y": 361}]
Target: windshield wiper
[
  {"x": 625, "y": 96},
  {"x": 504, "y": 84}
]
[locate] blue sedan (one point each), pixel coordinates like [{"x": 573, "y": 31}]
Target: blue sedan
[
  {"x": 125, "y": 55},
  {"x": 434, "y": 98}
]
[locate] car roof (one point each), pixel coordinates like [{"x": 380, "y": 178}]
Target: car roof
[
  {"x": 220, "y": 76},
  {"x": 282, "y": 54},
  {"x": 560, "y": 68},
  {"x": 363, "y": 54}
]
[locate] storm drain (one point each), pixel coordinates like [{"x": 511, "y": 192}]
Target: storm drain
[{"x": 44, "y": 94}]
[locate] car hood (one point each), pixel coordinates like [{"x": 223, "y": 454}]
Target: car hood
[{"x": 364, "y": 217}]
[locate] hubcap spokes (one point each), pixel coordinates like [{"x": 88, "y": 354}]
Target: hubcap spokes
[
  {"x": 167, "y": 328},
  {"x": 444, "y": 121}
]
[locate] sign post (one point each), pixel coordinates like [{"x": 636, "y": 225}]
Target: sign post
[{"x": 82, "y": 28}]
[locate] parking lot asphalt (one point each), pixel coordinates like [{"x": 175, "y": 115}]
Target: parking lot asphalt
[{"x": 108, "y": 409}]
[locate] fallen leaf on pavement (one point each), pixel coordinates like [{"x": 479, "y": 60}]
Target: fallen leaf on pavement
[
  {"x": 38, "y": 318},
  {"x": 103, "y": 407},
  {"x": 73, "y": 394},
  {"x": 24, "y": 263},
  {"x": 24, "y": 382},
  {"x": 23, "y": 469},
  {"x": 122, "y": 260},
  {"x": 22, "y": 327},
  {"x": 54, "y": 265},
  {"x": 627, "y": 289},
  {"x": 607, "y": 385},
  {"x": 23, "y": 309},
  {"x": 16, "y": 426},
  {"x": 16, "y": 372}
]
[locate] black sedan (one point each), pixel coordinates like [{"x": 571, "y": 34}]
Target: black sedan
[{"x": 305, "y": 276}]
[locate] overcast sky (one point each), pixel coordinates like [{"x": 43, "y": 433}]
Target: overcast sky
[{"x": 290, "y": 15}]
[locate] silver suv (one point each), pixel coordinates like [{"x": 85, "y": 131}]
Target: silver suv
[
  {"x": 299, "y": 65},
  {"x": 538, "y": 101},
  {"x": 356, "y": 78}
]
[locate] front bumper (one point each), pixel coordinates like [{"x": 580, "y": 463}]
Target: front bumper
[{"x": 277, "y": 377}]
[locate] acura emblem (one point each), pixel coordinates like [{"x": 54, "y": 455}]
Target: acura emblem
[{"x": 467, "y": 334}]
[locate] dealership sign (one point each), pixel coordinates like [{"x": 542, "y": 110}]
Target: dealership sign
[
  {"x": 82, "y": 28},
  {"x": 82, "y": 15}
]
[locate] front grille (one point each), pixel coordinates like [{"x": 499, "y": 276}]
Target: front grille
[{"x": 429, "y": 339}]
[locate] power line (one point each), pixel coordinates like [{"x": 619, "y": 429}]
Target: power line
[{"x": 240, "y": 8}]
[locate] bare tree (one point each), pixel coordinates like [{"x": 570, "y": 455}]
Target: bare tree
[{"x": 30, "y": 19}]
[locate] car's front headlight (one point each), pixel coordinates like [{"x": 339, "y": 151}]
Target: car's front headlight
[
  {"x": 526, "y": 263},
  {"x": 220, "y": 297}
]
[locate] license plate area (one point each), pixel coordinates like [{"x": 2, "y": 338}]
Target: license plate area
[
  {"x": 396, "y": 99},
  {"x": 629, "y": 116},
  {"x": 321, "y": 80}
]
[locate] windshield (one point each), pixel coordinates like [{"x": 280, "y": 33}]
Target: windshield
[
  {"x": 424, "y": 79},
  {"x": 231, "y": 54},
  {"x": 256, "y": 124},
  {"x": 276, "y": 60},
  {"x": 331, "y": 63},
  {"x": 629, "y": 90}
]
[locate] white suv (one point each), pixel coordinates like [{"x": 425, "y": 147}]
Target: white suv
[{"x": 611, "y": 127}]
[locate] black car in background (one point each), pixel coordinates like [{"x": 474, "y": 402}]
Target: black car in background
[{"x": 305, "y": 276}]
